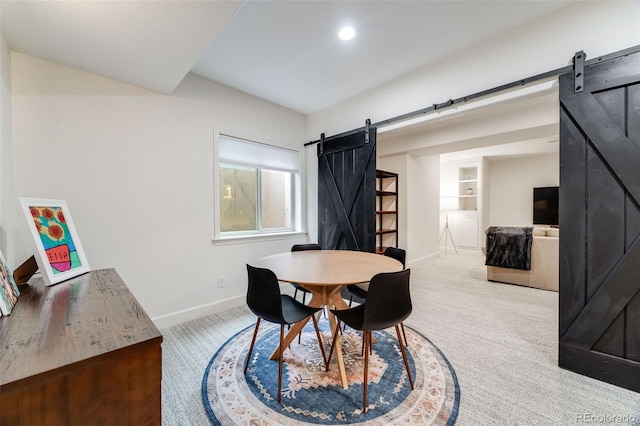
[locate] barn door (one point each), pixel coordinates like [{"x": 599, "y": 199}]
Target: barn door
[
  {"x": 600, "y": 220},
  {"x": 346, "y": 191}
]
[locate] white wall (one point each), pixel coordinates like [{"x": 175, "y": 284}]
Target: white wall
[
  {"x": 486, "y": 197},
  {"x": 7, "y": 205},
  {"x": 512, "y": 182},
  {"x": 423, "y": 187},
  {"x": 135, "y": 168},
  {"x": 418, "y": 183},
  {"x": 311, "y": 161}
]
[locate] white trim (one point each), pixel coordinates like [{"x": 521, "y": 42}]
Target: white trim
[{"x": 241, "y": 239}]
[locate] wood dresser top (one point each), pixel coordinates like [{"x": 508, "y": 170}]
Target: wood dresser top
[{"x": 56, "y": 326}]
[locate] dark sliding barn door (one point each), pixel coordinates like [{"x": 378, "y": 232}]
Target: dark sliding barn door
[
  {"x": 600, "y": 221},
  {"x": 346, "y": 191}
]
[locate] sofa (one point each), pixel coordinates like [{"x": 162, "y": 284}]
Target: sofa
[{"x": 544, "y": 263}]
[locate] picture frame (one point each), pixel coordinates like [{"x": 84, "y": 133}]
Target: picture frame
[
  {"x": 9, "y": 291},
  {"x": 60, "y": 253}
]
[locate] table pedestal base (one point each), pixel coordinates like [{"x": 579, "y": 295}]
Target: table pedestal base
[{"x": 322, "y": 296}]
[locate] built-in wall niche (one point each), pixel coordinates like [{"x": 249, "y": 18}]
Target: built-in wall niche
[
  {"x": 461, "y": 190},
  {"x": 468, "y": 188}
]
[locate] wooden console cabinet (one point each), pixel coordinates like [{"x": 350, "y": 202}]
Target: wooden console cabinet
[{"x": 82, "y": 352}]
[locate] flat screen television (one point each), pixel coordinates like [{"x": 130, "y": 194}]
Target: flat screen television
[{"x": 545, "y": 205}]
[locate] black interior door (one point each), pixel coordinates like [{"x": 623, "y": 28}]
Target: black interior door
[
  {"x": 346, "y": 191},
  {"x": 600, "y": 222}
]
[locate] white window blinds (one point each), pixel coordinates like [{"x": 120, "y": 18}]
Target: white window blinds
[{"x": 241, "y": 152}]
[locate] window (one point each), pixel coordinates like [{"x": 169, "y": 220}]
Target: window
[{"x": 258, "y": 188}]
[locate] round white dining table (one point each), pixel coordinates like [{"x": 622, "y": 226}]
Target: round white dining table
[{"x": 324, "y": 273}]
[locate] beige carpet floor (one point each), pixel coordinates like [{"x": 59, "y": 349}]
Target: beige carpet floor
[{"x": 502, "y": 341}]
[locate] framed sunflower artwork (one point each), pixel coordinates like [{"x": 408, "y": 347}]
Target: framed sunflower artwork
[{"x": 60, "y": 254}]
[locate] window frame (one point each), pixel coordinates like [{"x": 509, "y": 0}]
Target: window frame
[{"x": 297, "y": 193}]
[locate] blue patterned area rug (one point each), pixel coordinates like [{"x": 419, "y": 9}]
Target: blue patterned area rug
[{"x": 312, "y": 396}]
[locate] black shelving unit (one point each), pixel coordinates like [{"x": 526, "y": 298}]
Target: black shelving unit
[{"x": 386, "y": 210}]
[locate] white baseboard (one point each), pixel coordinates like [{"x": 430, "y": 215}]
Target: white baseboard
[
  {"x": 427, "y": 257},
  {"x": 178, "y": 317}
]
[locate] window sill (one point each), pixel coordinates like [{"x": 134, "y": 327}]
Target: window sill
[{"x": 242, "y": 239}]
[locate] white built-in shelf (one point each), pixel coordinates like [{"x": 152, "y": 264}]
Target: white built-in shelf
[{"x": 468, "y": 180}]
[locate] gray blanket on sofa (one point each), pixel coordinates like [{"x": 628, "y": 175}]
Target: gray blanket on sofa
[{"x": 509, "y": 247}]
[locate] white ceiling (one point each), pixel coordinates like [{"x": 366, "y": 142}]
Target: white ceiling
[
  {"x": 286, "y": 52},
  {"x": 152, "y": 44}
]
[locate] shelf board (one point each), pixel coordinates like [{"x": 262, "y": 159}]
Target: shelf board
[
  {"x": 467, "y": 196},
  {"x": 384, "y": 174},
  {"x": 467, "y": 180},
  {"x": 386, "y": 231},
  {"x": 386, "y": 212},
  {"x": 383, "y": 193}
]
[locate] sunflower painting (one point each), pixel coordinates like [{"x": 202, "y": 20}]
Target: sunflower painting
[
  {"x": 58, "y": 244},
  {"x": 54, "y": 234}
]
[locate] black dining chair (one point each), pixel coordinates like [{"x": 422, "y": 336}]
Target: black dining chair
[
  {"x": 359, "y": 295},
  {"x": 396, "y": 253},
  {"x": 303, "y": 247},
  {"x": 266, "y": 302},
  {"x": 388, "y": 304}
]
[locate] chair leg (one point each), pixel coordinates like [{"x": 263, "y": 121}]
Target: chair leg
[
  {"x": 350, "y": 302},
  {"x": 404, "y": 334},
  {"x": 300, "y": 334},
  {"x": 255, "y": 333},
  {"x": 362, "y": 349},
  {"x": 333, "y": 344},
  {"x": 295, "y": 296},
  {"x": 281, "y": 350},
  {"x": 404, "y": 357},
  {"x": 315, "y": 325},
  {"x": 367, "y": 344}
]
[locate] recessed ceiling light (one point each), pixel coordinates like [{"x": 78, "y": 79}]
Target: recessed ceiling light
[{"x": 347, "y": 33}]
